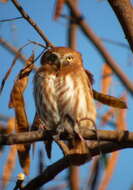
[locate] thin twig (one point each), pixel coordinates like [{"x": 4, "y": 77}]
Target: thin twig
[
  {"x": 32, "y": 23},
  {"x": 37, "y": 43},
  {"x": 11, "y": 67},
  {"x": 11, "y": 19},
  {"x": 11, "y": 49},
  {"x": 124, "y": 45},
  {"x": 99, "y": 45}
]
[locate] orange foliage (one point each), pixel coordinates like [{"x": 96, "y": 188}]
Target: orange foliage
[
  {"x": 9, "y": 165},
  {"x": 106, "y": 78},
  {"x": 21, "y": 123},
  {"x": 109, "y": 170}
]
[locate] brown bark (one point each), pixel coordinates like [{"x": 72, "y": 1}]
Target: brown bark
[{"x": 124, "y": 12}]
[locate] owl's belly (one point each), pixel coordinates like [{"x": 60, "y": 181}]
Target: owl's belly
[
  {"x": 74, "y": 100},
  {"x": 59, "y": 96}
]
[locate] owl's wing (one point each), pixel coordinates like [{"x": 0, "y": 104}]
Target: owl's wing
[{"x": 106, "y": 99}]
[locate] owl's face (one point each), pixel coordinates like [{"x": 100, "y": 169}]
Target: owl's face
[{"x": 61, "y": 57}]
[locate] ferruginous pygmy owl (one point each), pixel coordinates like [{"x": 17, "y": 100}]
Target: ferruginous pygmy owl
[{"x": 63, "y": 95}]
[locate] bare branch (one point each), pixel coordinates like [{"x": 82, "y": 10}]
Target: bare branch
[
  {"x": 124, "y": 12},
  {"x": 32, "y": 23},
  {"x": 12, "y": 49},
  {"x": 64, "y": 163},
  {"x": 48, "y": 174},
  {"x": 99, "y": 45},
  {"x": 40, "y": 135}
]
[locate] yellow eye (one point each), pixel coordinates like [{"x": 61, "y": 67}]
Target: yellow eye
[{"x": 69, "y": 58}]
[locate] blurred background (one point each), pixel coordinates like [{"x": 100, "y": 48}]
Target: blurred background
[{"x": 102, "y": 20}]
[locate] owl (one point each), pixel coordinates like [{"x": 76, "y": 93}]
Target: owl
[{"x": 64, "y": 97}]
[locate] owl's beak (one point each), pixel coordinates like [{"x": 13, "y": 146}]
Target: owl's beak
[{"x": 59, "y": 64}]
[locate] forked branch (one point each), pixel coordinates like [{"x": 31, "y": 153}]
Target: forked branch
[{"x": 32, "y": 23}]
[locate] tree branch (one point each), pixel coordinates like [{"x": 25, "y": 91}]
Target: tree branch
[
  {"x": 40, "y": 135},
  {"x": 64, "y": 163},
  {"x": 99, "y": 45},
  {"x": 32, "y": 23},
  {"x": 109, "y": 141},
  {"x": 124, "y": 12},
  {"x": 12, "y": 49}
]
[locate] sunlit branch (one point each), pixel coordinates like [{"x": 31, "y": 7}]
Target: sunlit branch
[
  {"x": 40, "y": 135},
  {"x": 124, "y": 12}
]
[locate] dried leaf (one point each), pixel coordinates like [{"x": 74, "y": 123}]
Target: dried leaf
[
  {"x": 111, "y": 164},
  {"x": 29, "y": 66},
  {"x": 4, "y": 1},
  {"x": 58, "y": 8},
  {"x": 107, "y": 117},
  {"x": 109, "y": 100},
  {"x": 9, "y": 165},
  {"x": 10, "y": 125},
  {"x": 106, "y": 78},
  {"x": 21, "y": 123}
]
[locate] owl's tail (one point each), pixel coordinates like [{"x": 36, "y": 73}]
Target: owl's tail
[
  {"x": 76, "y": 148},
  {"x": 77, "y": 154}
]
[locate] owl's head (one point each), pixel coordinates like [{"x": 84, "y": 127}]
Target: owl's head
[{"x": 61, "y": 57}]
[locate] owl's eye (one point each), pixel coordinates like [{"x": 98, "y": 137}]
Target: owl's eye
[
  {"x": 69, "y": 58},
  {"x": 52, "y": 57}
]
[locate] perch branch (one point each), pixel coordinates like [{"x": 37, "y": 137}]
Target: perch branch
[
  {"x": 40, "y": 135},
  {"x": 99, "y": 45},
  {"x": 109, "y": 141},
  {"x": 32, "y": 23}
]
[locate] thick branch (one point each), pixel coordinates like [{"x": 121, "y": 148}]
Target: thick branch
[
  {"x": 99, "y": 45},
  {"x": 109, "y": 141},
  {"x": 124, "y": 12},
  {"x": 64, "y": 163},
  {"x": 32, "y": 23},
  {"x": 40, "y": 135}
]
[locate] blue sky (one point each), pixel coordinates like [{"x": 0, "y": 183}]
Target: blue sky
[{"x": 102, "y": 20}]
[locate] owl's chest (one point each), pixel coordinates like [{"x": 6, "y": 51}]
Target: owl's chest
[
  {"x": 61, "y": 90},
  {"x": 63, "y": 86}
]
